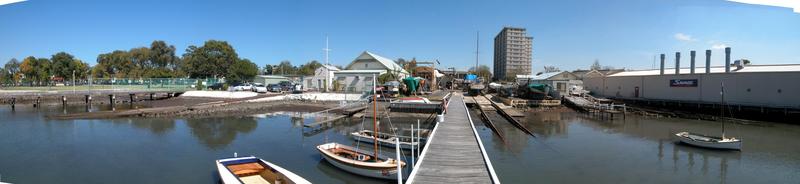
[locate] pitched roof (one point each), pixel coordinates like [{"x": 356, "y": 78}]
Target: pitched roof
[
  {"x": 543, "y": 76},
  {"x": 331, "y": 67},
  {"x": 387, "y": 63}
]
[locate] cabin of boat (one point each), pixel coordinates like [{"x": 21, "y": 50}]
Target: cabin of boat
[
  {"x": 359, "y": 161},
  {"x": 252, "y": 170}
]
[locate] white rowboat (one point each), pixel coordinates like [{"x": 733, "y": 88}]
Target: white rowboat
[
  {"x": 384, "y": 139},
  {"x": 251, "y": 170}
]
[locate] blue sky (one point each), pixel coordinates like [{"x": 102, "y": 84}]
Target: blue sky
[{"x": 568, "y": 34}]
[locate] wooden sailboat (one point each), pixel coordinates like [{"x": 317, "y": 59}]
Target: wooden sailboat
[
  {"x": 712, "y": 141},
  {"x": 251, "y": 170},
  {"x": 362, "y": 162}
]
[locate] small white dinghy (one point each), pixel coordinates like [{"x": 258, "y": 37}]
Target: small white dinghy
[
  {"x": 709, "y": 141},
  {"x": 251, "y": 170}
]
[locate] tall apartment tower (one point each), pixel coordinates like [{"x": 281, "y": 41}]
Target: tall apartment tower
[{"x": 512, "y": 53}]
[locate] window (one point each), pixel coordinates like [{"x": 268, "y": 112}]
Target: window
[{"x": 366, "y": 65}]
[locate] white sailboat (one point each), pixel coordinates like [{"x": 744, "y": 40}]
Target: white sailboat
[
  {"x": 362, "y": 162},
  {"x": 712, "y": 141},
  {"x": 252, "y": 170}
]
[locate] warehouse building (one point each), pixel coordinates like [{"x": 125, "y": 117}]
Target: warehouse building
[{"x": 759, "y": 86}]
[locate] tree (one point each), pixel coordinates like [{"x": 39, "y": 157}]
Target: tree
[
  {"x": 163, "y": 62},
  {"x": 140, "y": 62},
  {"x": 213, "y": 59},
  {"x": 548, "y": 69},
  {"x": 595, "y": 65},
  {"x": 10, "y": 73},
  {"x": 268, "y": 69},
  {"x": 309, "y": 68},
  {"x": 63, "y": 64},
  {"x": 241, "y": 71},
  {"x": 482, "y": 71},
  {"x": 36, "y": 71},
  {"x": 285, "y": 67}
]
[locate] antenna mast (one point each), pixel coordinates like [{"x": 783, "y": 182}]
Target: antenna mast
[{"x": 476, "y": 51}]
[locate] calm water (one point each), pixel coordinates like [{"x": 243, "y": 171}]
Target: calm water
[
  {"x": 34, "y": 149},
  {"x": 570, "y": 148},
  {"x": 576, "y": 148}
]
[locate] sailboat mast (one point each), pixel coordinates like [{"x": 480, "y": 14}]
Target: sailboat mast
[
  {"x": 375, "y": 117},
  {"x": 722, "y": 107},
  {"x": 477, "y": 45}
]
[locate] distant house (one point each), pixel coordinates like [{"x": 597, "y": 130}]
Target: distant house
[
  {"x": 582, "y": 74},
  {"x": 322, "y": 79},
  {"x": 358, "y": 75},
  {"x": 561, "y": 81}
]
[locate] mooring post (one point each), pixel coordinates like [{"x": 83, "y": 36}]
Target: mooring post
[
  {"x": 133, "y": 97},
  {"x": 151, "y": 96},
  {"x": 38, "y": 102},
  {"x": 63, "y": 100},
  {"x": 111, "y": 99},
  {"x": 87, "y": 99},
  {"x": 13, "y": 102}
]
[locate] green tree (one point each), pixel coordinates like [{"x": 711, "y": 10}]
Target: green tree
[
  {"x": 309, "y": 68},
  {"x": 62, "y": 65},
  {"x": 140, "y": 62},
  {"x": 241, "y": 71},
  {"x": 268, "y": 69},
  {"x": 36, "y": 71},
  {"x": 10, "y": 72},
  {"x": 284, "y": 68},
  {"x": 163, "y": 60},
  {"x": 211, "y": 60}
]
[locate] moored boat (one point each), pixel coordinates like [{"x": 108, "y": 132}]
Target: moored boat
[
  {"x": 709, "y": 141},
  {"x": 384, "y": 139},
  {"x": 360, "y": 162},
  {"x": 247, "y": 170}
]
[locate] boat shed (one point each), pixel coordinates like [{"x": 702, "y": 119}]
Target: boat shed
[
  {"x": 355, "y": 81},
  {"x": 773, "y": 86}
]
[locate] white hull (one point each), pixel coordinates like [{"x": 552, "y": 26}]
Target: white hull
[
  {"x": 229, "y": 178},
  {"x": 381, "y": 173},
  {"x": 709, "y": 142}
]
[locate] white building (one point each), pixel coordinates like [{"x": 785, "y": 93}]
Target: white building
[
  {"x": 358, "y": 75},
  {"x": 751, "y": 85},
  {"x": 322, "y": 79}
]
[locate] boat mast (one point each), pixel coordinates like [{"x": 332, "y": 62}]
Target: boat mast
[
  {"x": 722, "y": 107},
  {"x": 375, "y": 117}
]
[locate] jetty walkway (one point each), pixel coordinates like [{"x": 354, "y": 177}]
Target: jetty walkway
[{"x": 454, "y": 152}]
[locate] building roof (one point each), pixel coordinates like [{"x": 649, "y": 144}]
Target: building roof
[
  {"x": 358, "y": 71},
  {"x": 714, "y": 69},
  {"x": 387, "y": 63},
  {"x": 331, "y": 67},
  {"x": 543, "y": 76}
]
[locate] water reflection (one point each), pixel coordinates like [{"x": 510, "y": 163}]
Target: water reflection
[
  {"x": 216, "y": 133},
  {"x": 157, "y": 126}
]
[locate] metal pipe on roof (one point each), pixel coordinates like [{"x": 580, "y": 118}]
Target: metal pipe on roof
[
  {"x": 691, "y": 65},
  {"x": 677, "y": 63},
  {"x": 727, "y": 60},
  {"x": 708, "y": 61},
  {"x": 662, "y": 63}
]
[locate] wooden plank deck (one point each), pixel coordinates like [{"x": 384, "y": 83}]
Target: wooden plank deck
[{"x": 454, "y": 153}]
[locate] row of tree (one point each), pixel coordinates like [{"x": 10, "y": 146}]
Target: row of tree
[
  {"x": 214, "y": 59},
  {"x": 285, "y": 67},
  {"x": 40, "y": 71}
]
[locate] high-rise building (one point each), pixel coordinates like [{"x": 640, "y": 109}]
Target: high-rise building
[{"x": 512, "y": 53}]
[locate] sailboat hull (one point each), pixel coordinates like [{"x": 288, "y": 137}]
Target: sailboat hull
[
  {"x": 709, "y": 141},
  {"x": 355, "y": 167}
]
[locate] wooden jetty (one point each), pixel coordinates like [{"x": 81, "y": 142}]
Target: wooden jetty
[
  {"x": 599, "y": 106},
  {"x": 454, "y": 153}
]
